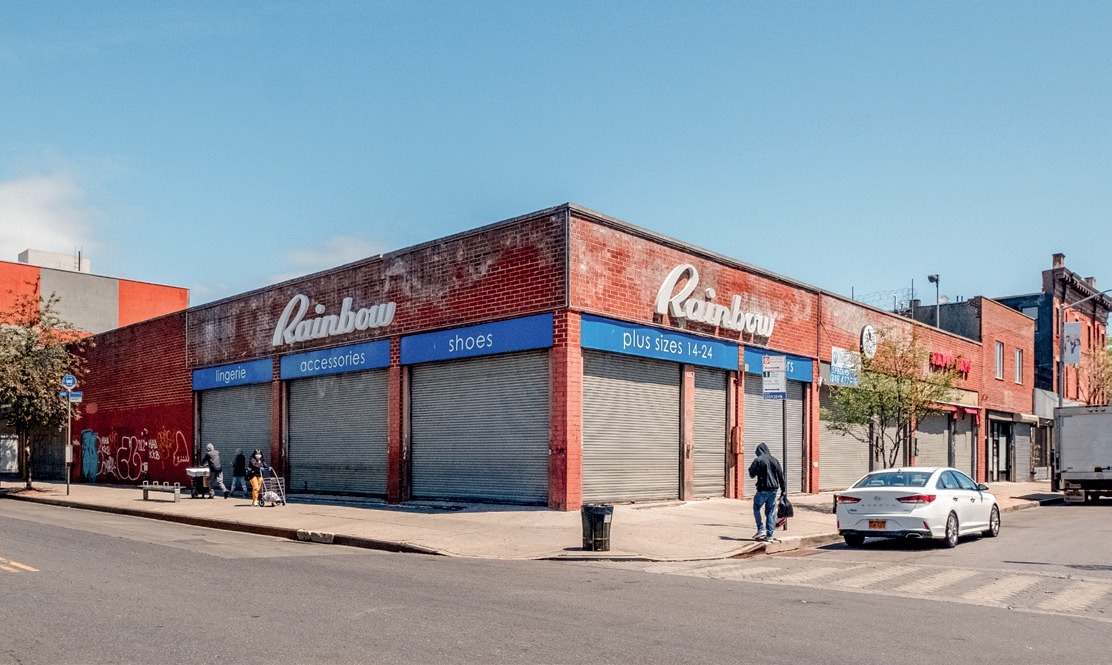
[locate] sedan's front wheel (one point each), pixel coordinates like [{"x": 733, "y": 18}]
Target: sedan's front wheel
[
  {"x": 993, "y": 529},
  {"x": 951, "y": 539}
]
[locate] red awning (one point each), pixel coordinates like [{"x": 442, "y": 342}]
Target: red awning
[
  {"x": 946, "y": 407},
  {"x": 972, "y": 411}
]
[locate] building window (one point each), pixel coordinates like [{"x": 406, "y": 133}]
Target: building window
[
  {"x": 1000, "y": 360},
  {"x": 1019, "y": 365}
]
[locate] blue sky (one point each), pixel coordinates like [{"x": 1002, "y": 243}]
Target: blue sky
[{"x": 855, "y": 146}]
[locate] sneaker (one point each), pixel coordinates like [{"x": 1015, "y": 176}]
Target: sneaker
[
  {"x": 254, "y": 503},
  {"x": 226, "y": 493},
  {"x": 758, "y": 536}
]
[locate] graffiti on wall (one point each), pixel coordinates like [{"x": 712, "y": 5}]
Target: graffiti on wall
[{"x": 126, "y": 458}]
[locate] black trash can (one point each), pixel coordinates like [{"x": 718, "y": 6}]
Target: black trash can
[{"x": 596, "y": 527}]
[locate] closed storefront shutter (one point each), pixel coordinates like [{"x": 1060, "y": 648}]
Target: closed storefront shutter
[
  {"x": 237, "y": 417},
  {"x": 338, "y": 434},
  {"x": 932, "y": 437},
  {"x": 1022, "y": 434},
  {"x": 631, "y": 419},
  {"x": 963, "y": 445},
  {"x": 764, "y": 421},
  {"x": 710, "y": 432},
  {"x": 480, "y": 428},
  {"x": 843, "y": 459},
  {"x": 9, "y": 451}
]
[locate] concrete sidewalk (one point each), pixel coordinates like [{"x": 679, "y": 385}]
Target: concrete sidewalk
[{"x": 665, "y": 531}]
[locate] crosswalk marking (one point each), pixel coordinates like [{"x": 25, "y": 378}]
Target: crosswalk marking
[
  {"x": 15, "y": 566},
  {"x": 999, "y": 590},
  {"x": 873, "y": 577},
  {"x": 809, "y": 575},
  {"x": 935, "y": 582},
  {"x": 738, "y": 573},
  {"x": 1076, "y": 598}
]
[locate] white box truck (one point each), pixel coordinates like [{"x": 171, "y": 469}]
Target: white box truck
[{"x": 1083, "y": 452}]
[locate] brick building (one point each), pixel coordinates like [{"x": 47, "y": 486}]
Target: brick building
[
  {"x": 92, "y": 303},
  {"x": 551, "y": 359}
]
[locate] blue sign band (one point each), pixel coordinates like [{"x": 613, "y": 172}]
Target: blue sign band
[
  {"x": 798, "y": 369},
  {"x": 648, "y": 342},
  {"x": 531, "y": 332},
  {"x": 238, "y": 374},
  {"x": 339, "y": 360}
]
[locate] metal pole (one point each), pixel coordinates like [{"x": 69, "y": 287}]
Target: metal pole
[
  {"x": 68, "y": 451},
  {"x": 937, "y": 304}
]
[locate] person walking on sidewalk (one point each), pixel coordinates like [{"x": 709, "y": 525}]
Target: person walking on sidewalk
[
  {"x": 216, "y": 472},
  {"x": 255, "y": 467},
  {"x": 239, "y": 472},
  {"x": 769, "y": 475}
]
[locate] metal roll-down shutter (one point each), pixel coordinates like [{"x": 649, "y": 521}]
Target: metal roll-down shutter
[
  {"x": 933, "y": 439},
  {"x": 237, "y": 417},
  {"x": 480, "y": 428},
  {"x": 1022, "y": 435},
  {"x": 631, "y": 418},
  {"x": 963, "y": 445},
  {"x": 338, "y": 433},
  {"x": 709, "y": 456},
  {"x": 843, "y": 459}
]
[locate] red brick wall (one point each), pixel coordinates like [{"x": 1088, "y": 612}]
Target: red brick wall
[
  {"x": 617, "y": 274},
  {"x": 503, "y": 271},
  {"x": 139, "y": 301},
  {"x": 1017, "y": 331},
  {"x": 138, "y": 403},
  {"x": 565, "y": 462}
]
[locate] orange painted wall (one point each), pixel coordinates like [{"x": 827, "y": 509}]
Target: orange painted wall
[
  {"x": 139, "y": 301},
  {"x": 19, "y": 279}
]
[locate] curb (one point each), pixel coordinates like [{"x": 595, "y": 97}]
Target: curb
[{"x": 287, "y": 533}]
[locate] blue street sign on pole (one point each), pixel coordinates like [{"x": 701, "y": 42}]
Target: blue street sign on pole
[
  {"x": 73, "y": 395},
  {"x": 69, "y": 382}
]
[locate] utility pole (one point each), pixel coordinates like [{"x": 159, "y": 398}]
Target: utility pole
[{"x": 933, "y": 279}]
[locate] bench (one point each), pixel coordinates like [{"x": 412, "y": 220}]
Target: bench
[{"x": 174, "y": 489}]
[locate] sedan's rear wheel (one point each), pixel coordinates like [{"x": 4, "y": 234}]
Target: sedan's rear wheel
[
  {"x": 854, "y": 540},
  {"x": 951, "y": 539},
  {"x": 993, "y": 529}
]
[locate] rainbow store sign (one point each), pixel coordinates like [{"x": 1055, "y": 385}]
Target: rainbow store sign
[{"x": 682, "y": 306}]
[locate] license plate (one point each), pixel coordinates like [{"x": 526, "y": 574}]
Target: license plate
[{"x": 878, "y": 524}]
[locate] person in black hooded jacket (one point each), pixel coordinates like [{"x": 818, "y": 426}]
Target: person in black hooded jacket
[{"x": 769, "y": 475}]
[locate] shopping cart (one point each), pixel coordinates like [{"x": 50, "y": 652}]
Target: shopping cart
[
  {"x": 200, "y": 476},
  {"x": 273, "y": 489}
]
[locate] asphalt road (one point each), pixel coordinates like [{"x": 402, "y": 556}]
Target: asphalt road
[{"x": 84, "y": 587}]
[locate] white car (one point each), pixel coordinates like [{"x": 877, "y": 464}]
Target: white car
[{"x": 916, "y": 502}]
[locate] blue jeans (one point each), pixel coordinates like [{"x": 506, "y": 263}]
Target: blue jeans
[{"x": 766, "y": 500}]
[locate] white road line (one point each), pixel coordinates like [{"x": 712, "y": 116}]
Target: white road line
[
  {"x": 10, "y": 570},
  {"x": 873, "y": 577},
  {"x": 809, "y": 575},
  {"x": 741, "y": 572},
  {"x": 18, "y": 565},
  {"x": 733, "y": 569},
  {"x": 936, "y": 581},
  {"x": 1075, "y": 598},
  {"x": 998, "y": 590}
]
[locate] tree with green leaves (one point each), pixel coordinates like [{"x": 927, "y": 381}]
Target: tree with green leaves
[
  {"x": 37, "y": 348},
  {"x": 896, "y": 389}
]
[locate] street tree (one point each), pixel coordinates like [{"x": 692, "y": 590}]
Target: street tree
[
  {"x": 37, "y": 348},
  {"x": 896, "y": 389},
  {"x": 1096, "y": 376}
]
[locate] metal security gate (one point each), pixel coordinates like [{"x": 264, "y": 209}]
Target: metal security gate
[
  {"x": 337, "y": 433},
  {"x": 710, "y": 433},
  {"x": 963, "y": 445},
  {"x": 237, "y": 417},
  {"x": 480, "y": 428},
  {"x": 1022, "y": 434},
  {"x": 843, "y": 459},
  {"x": 631, "y": 428},
  {"x": 764, "y": 423},
  {"x": 932, "y": 439},
  {"x": 9, "y": 453}
]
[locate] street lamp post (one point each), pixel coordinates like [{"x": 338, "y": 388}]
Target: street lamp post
[{"x": 933, "y": 279}]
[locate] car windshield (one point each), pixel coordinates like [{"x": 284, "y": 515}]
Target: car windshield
[{"x": 895, "y": 479}]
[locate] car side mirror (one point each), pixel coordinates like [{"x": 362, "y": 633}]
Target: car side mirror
[{"x": 982, "y": 487}]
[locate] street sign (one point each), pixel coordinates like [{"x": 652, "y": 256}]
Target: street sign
[
  {"x": 69, "y": 382},
  {"x": 74, "y": 395},
  {"x": 774, "y": 375}
]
